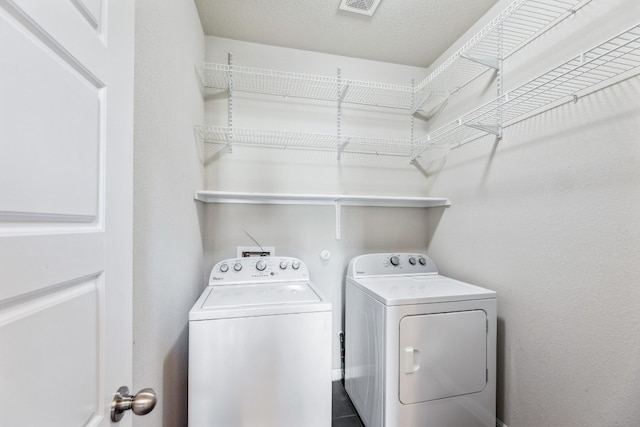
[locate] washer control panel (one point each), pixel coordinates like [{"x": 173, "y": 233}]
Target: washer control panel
[
  {"x": 258, "y": 269},
  {"x": 385, "y": 264}
]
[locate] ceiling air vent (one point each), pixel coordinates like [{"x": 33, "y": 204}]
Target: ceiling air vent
[{"x": 363, "y": 7}]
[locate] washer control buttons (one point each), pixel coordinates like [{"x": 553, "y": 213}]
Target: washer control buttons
[
  {"x": 395, "y": 261},
  {"x": 224, "y": 268},
  {"x": 412, "y": 261},
  {"x": 261, "y": 265},
  {"x": 295, "y": 265},
  {"x": 237, "y": 266},
  {"x": 422, "y": 261},
  {"x": 283, "y": 265}
]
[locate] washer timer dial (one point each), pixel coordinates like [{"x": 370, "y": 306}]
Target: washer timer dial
[{"x": 261, "y": 265}]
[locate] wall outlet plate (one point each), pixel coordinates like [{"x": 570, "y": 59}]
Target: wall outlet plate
[{"x": 251, "y": 251}]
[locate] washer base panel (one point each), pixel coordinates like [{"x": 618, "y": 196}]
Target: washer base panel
[{"x": 263, "y": 371}]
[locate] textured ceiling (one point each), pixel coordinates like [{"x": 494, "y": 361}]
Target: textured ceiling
[{"x": 410, "y": 32}]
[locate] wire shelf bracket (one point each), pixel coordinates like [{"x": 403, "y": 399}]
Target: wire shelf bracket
[{"x": 487, "y": 61}]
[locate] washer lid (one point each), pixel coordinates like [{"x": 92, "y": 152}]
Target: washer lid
[
  {"x": 420, "y": 289},
  {"x": 257, "y": 299}
]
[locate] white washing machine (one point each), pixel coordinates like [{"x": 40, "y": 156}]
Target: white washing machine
[
  {"x": 420, "y": 348},
  {"x": 260, "y": 347}
]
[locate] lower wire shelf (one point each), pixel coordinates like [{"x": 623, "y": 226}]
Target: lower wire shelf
[{"x": 220, "y": 137}]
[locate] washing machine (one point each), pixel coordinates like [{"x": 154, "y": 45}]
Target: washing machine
[
  {"x": 420, "y": 348},
  {"x": 260, "y": 347}
]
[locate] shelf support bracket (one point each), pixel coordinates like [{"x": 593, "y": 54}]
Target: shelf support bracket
[
  {"x": 493, "y": 129},
  {"x": 342, "y": 146},
  {"x": 413, "y": 110},
  {"x": 487, "y": 61},
  {"x": 342, "y": 94},
  {"x": 338, "y": 224},
  {"x": 420, "y": 103},
  {"x": 230, "y": 105},
  {"x": 339, "y": 97},
  {"x": 499, "y": 59}
]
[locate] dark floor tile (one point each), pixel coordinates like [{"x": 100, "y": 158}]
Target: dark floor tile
[
  {"x": 342, "y": 405},
  {"x": 350, "y": 421}
]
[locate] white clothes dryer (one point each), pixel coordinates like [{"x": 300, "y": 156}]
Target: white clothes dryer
[
  {"x": 260, "y": 347},
  {"x": 420, "y": 348}
]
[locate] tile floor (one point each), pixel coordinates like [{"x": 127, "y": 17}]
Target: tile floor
[{"x": 343, "y": 414}]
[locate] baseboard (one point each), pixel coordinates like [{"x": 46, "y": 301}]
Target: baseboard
[{"x": 500, "y": 423}]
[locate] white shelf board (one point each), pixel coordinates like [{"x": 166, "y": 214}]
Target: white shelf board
[
  {"x": 320, "y": 199},
  {"x": 337, "y": 201}
]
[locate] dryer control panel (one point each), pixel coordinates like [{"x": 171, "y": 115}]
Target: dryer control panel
[
  {"x": 258, "y": 269},
  {"x": 385, "y": 264}
]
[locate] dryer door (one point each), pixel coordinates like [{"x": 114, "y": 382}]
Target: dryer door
[{"x": 442, "y": 355}]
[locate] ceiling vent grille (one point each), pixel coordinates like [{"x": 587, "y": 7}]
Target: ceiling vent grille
[{"x": 363, "y": 7}]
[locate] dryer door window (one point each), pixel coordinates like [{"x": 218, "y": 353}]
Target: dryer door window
[{"x": 442, "y": 355}]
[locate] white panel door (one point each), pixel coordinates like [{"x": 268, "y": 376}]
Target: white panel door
[
  {"x": 66, "y": 142},
  {"x": 442, "y": 355}
]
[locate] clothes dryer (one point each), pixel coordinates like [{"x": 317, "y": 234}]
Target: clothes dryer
[
  {"x": 420, "y": 348},
  {"x": 260, "y": 347}
]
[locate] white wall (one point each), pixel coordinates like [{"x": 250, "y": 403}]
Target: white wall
[
  {"x": 305, "y": 231},
  {"x": 167, "y": 237},
  {"x": 549, "y": 217}
]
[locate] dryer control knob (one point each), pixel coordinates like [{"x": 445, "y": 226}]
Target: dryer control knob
[
  {"x": 283, "y": 265},
  {"x": 261, "y": 265},
  {"x": 395, "y": 261},
  {"x": 295, "y": 265},
  {"x": 224, "y": 268},
  {"x": 237, "y": 266},
  {"x": 423, "y": 261},
  {"x": 412, "y": 261}
]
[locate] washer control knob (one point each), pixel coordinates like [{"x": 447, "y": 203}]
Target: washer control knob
[
  {"x": 412, "y": 261},
  {"x": 295, "y": 265},
  {"x": 422, "y": 261},
  {"x": 224, "y": 268},
  {"x": 261, "y": 265},
  {"x": 395, "y": 261},
  {"x": 283, "y": 265},
  {"x": 237, "y": 266}
]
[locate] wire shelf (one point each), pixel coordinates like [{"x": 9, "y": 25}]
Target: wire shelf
[
  {"x": 610, "y": 59},
  {"x": 271, "y": 82},
  {"x": 224, "y": 136},
  {"x": 517, "y": 25}
]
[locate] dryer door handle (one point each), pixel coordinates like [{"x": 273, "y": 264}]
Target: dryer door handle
[{"x": 411, "y": 360}]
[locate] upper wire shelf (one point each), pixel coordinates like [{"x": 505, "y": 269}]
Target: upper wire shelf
[
  {"x": 516, "y": 26},
  {"x": 612, "y": 58},
  {"x": 271, "y": 82}
]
